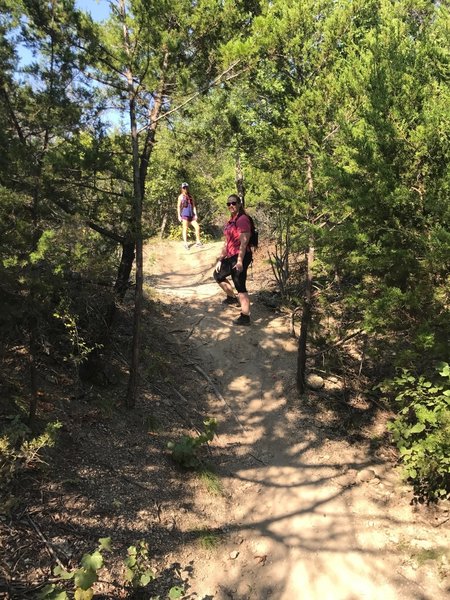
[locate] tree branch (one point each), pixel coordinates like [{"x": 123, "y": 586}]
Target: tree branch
[{"x": 198, "y": 93}]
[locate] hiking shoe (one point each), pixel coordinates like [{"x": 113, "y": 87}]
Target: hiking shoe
[
  {"x": 229, "y": 300},
  {"x": 198, "y": 245},
  {"x": 186, "y": 246},
  {"x": 242, "y": 320}
]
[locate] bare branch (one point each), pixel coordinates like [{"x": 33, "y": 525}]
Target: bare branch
[
  {"x": 217, "y": 80},
  {"x": 339, "y": 342}
]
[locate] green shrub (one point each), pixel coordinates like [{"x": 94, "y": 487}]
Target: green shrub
[
  {"x": 184, "y": 452},
  {"x": 20, "y": 452},
  {"x": 422, "y": 430},
  {"x": 81, "y": 580}
]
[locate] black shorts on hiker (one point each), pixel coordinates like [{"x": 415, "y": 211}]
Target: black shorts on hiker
[{"x": 227, "y": 270}]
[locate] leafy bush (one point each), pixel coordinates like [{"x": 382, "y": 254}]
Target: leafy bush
[
  {"x": 184, "y": 452},
  {"x": 19, "y": 452},
  {"x": 137, "y": 575},
  {"x": 422, "y": 430}
]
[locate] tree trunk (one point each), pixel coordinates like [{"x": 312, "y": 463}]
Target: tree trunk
[
  {"x": 33, "y": 377},
  {"x": 239, "y": 179},
  {"x": 307, "y": 301},
  {"x": 140, "y": 168},
  {"x": 123, "y": 278},
  {"x": 138, "y": 187},
  {"x": 305, "y": 323},
  {"x": 163, "y": 226},
  {"x": 133, "y": 381}
]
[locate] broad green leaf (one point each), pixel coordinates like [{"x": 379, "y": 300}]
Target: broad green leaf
[
  {"x": 61, "y": 572},
  {"x": 146, "y": 578},
  {"x": 84, "y": 594},
  {"x": 130, "y": 561},
  {"x": 85, "y": 579},
  {"x": 417, "y": 428},
  {"x": 50, "y": 592},
  {"x": 92, "y": 561}
]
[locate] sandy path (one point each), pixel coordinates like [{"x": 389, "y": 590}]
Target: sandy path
[{"x": 306, "y": 516}]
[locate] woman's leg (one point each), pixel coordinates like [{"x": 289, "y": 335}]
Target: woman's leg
[
  {"x": 221, "y": 277},
  {"x": 240, "y": 280},
  {"x": 244, "y": 300},
  {"x": 226, "y": 286},
  {"x": 196, "y": 227},
  {"x": 184, "y": 231}
]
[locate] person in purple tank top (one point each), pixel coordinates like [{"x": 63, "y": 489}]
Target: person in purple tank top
[
  {"x": 187, "y": 214},
  {"x": 235, "y": 258}
]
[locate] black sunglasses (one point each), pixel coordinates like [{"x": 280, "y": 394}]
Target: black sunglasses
[{"x": 231, "y": 203}]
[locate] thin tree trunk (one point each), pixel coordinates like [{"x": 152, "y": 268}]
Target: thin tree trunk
[
  {"x": 123, "y": 278},
  {"x": 133, "y": 381},
  {"x": 239, "y": 179},
  {"x": 163, "y": 226},
  {"x": 33, "y": 376},
  {"x": 307, "y": 302},
  {"x": 34, "y": 283},
  {"x": 137, "y": 220},
  {"x": 34, "y": 322},
  {"x": 140, "y": 168}
]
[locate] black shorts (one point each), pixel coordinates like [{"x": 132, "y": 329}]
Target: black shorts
[{"x": 227, "y": 270}]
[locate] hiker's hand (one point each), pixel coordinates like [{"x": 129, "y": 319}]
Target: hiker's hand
[
  {"x": 238, "y": 266},
  {"x": 218, "y": 265}
]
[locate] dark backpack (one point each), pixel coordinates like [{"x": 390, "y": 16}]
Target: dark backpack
[{"x": 253, "y": 241}]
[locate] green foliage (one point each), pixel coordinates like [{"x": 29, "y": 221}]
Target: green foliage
[
  {"x": 80, "y": 349},
  {"x": 211, "y": 481},
  {"x": 20, "y": 452},
  {"x": 175, "y": 593},
  {"x": 208, "y": 539},
  {"x": 422, "y": 430},
  {"x": 137, "y": 570},
  {"x": 137, "y": 574},
  {"x": 184, "y": 452}
]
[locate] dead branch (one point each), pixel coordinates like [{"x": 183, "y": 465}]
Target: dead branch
[
  {"x": 338, "y": 343},
  {"x": 48, "y": 545},
  {"x": 194, "y": 95},
  {"x": 193, "y": 327}
]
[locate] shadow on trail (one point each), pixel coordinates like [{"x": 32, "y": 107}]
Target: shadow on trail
[
  {"x": 300, "y": 522},
  {"x": 291, "y": 519}
]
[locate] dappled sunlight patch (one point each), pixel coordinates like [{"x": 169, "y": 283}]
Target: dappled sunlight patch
[{"x": 240, "y": 384}]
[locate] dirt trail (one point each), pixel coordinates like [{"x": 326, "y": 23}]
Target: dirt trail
[{"x": 306, "y": 514}]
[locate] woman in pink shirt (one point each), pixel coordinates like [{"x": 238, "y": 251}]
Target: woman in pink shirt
[{"x": 235, "y": 259}]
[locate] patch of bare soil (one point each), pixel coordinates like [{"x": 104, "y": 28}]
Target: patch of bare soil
[{"x": 297, "y": 498}]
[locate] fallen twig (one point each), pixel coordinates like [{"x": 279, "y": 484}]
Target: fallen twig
[
  {"x": 46, "y": 542},
  {"x": 258, "y": 459},
  {"x": 193, "y": 327},
  {"x": 442, "y": 522},
  {"x": 338, "y": 343}
]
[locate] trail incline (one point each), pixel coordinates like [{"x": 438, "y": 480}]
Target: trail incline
[{"x": 305, "y": 512}]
